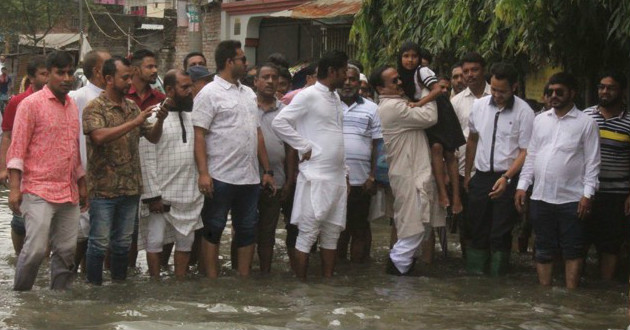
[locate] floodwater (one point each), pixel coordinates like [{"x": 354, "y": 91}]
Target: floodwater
[{"x": 358, "y": 297}]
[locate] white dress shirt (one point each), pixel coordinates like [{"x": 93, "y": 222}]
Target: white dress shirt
[
  {"x": 563, "y": 158},
  {"x": 82, "y": 97},
  {"x": 462, "y": 103},
  {"x": 502, "y": 132},
  {"x": 230, "y": 114}
]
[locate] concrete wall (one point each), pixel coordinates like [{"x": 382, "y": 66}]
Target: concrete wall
[{"x": 210, "y": 34}]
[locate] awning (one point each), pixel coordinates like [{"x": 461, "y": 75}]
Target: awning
[
  {"x": 51, "y": 40},
  {"x": 320, "y": 9}
]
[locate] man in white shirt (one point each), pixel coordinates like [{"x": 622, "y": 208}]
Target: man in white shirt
[
  {"x": 229, "y": 145},
  {"x": 500, "y": 128},
  {"x": 361, "y": 132},
  {"x": 563, "y": 164},
  {"x": 93, "y": 70},
  {"x": 168, "y": 169},
  {"x": 473, "y": 75},
  {"x": 313, "y": 125}
]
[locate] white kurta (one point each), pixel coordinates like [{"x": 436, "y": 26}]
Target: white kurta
[{"x": 314, "y": 122}]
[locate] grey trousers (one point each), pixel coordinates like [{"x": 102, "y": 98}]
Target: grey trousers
[{"x": 47, "y": 223}]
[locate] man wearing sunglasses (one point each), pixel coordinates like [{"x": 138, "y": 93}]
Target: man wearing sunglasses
[
  {"x": 563, "y": 164},
  {"x": 229, "y": 145},
  {"x": 607, "y": 227},
  {"x": 409, "y": 160}
]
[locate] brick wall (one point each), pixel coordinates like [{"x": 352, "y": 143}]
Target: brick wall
[{"x": 210, "y": 28}]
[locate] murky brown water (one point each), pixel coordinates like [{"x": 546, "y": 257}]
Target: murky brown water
[{"x": 359, "y": 297}]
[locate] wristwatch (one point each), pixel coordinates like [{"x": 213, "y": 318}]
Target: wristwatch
[
  {"x": 507, "y": 178},
  {"x": 270, "y": 172}
]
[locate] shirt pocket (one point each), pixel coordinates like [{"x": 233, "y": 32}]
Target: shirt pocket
[
  {"x": 568, "y": 140},
  {"x": 359, "y": 125}
]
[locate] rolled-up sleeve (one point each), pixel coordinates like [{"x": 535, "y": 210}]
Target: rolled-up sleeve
[{"x": 21, "y": 135}]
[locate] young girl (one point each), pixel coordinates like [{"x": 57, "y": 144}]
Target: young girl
[{"x": 420, "y": 86}]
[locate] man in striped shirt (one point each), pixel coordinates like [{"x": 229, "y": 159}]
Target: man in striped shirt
[{"x": 607, "y": 227}]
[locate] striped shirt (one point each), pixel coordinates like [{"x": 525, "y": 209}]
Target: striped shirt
[
  {"x": 361, "y": 125},
  {"x": 614, "y": 134}
]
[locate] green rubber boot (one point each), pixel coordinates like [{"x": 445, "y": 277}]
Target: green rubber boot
[
  {"x": 476, "y": 261},
  {"x": 499, "y": 263}
]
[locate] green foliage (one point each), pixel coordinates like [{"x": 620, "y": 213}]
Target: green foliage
[{"x": 581, "y": 35}]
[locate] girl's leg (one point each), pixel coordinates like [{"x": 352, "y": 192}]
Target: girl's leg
[
  {"x": 453, "y": 174},
  {"x": 437, "y": 164}
]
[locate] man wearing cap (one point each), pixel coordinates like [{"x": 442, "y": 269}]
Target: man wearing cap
[{"x": 200, "y": 77}]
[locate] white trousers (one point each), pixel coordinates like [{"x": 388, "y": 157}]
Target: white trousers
[{"x": 405, "y": 249}]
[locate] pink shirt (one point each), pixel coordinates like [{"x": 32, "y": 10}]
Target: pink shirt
[{"x": 45, "y": 147}]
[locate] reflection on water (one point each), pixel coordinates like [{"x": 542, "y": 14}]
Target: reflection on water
[{"x": 359, "y": 297}]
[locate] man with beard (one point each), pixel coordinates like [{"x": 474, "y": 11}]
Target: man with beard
[
  {"x": 145, "y": 73},
  {"x": 361, "y": 132},
  {"x": 114, "y": 125},
  {"x": 563, "y": 164},
  {"x": 170, "y": 168},
  {"x": 46, "y": 177},
  {"x": 282, "y": 160},
  {"x": 409, "y": 160},
  {"x": 607, "y": 227},
  {"x": 93, "y": 69},
  {"x": 228, "y": 139},
  {"x": 313, "y": 125},
  {"x": 38, "y": 77}
]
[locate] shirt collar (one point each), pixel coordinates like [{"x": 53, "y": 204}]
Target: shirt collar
[
  {"x": 277, "y": 106},
  {"x": 226, "y": 84},
  {"x": 132, "y": 91},
  {"x": 50, "y": 95},
  {"x": 486, "y": 91},
  {"x": 621, "y": 115},
  {"x": 109, "y": 104},
  {"x": 97, "y": 89},
  {"x": 508, "y": 106},
  {"x": 321, "y": 87},
  {"x": 572, "y": 113}
]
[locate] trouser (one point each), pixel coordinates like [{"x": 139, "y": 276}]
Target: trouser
[
  {"x": 402, "y": 253},
  {"x": 47, "y": 222},
  {"x": 490, "y": 221},
  {"x": 111, "y": 226}
]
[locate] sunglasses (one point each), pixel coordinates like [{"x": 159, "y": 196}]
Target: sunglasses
[
  {"x": 559, "y": 92},
  {"x": 601, "y": 87}
]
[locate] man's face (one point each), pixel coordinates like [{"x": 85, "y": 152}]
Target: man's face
[
  {"x": 351, "y": 85},
  {"x": 148, "y": 70},
  {"x": 410, "y": 60},
  {"x": 445, "y": 86},
  {"x": 364, "y": 90},
  {"x": 40, "y": 79},
  {"x": 283, "y": 85},
  {"x": 609, "y": 92},
  {"x": 457, "y": 79},
  {"x": 196, "y": 60},
  {"x": 121, "y": 81},
  {"x": 98, "y": 69},
  {"x": 337, "y": 76},
  {"x": 560, "y": 96},
  {"x": 473, "y": 74},
  {"x": 239, "y": 64},
  {"x": 60, "y": 80},
  {"x": 392, "y": 85},
  {"x": 267, "y": 81},
  {"x": 182, "y": 93},
  {"x": 501, "y": 91}
]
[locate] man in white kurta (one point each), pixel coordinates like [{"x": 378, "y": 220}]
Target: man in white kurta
[
  {"x": 313, "y": 125},
  {"x": 92, "y": 67},
  {"x": 409, "y": 161},
  {"x": 169, "y": 174}
]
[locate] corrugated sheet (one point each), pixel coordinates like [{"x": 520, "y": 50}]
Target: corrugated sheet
[{"x": 326, "y": 9}]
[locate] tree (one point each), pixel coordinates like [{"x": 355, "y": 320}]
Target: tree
[
  {"x": 580, "y": 35},
  {"x": 33, "y": 18}
]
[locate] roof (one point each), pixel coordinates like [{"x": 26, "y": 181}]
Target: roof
[
  {"x": 51, "y": 40},
  {"x": 318, "y": 9}
]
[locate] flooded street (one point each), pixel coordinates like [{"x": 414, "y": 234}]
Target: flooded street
[{"x": 359, "y": 297}]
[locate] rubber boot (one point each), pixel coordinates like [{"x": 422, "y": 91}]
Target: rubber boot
[
  {"x": 476, "y": 261},
  {"x": 499, "y": 263}
]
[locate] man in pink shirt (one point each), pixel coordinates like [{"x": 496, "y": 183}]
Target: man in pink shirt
[{"x": 46, "y": 177}]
